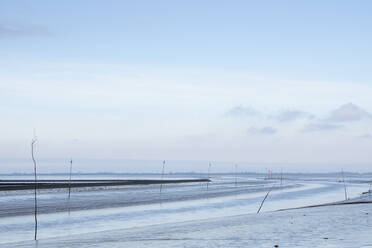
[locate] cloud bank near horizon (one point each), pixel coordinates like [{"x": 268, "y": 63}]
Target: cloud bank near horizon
[{"x": 142, "y": 114}]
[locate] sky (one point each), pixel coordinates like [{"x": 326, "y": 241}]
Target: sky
[{"x": 259, "y": 83}]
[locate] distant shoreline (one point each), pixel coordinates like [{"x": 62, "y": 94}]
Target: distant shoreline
[{"x": 186, "y": 173}]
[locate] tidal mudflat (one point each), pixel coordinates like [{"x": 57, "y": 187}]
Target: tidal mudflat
[{"x": 220, "y": 213}]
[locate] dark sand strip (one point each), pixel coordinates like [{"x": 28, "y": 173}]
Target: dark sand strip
[
  {"x": 328, "y": 204},
  {"x": 6, "y": 185}
]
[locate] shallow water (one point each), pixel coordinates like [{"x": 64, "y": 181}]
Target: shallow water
[{"x": 111, "y": 208}]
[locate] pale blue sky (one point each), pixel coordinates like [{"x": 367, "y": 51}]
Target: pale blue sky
[
  {"x": 188, "y": 80},
  {"x": 316, "y": 39}
]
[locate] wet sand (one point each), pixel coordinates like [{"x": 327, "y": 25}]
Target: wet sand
[{"x": 6, "y": 185}]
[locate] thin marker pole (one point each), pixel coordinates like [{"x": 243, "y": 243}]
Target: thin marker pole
[
  {"x": 69, "y": 181},
  {"x": 267, "y": 194},
  {"x": 162, "y": 176},
  {"x": 35, "y": 184},
  {"x": 343, "y": 179},
  {"x": 209, "y": 174}
]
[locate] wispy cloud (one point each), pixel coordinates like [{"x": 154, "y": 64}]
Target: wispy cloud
[
  {"x": 22, "y": 31},
  {"x": 262, "y": 131},
  {"x": 365, "y": 136},
  {"x": 242, "y": 112},
  {"x": 338, "y": 118},
  {"x": 316, "y": 127},
  {"x": 292, "y": 115},
  {"x": 348, "y": 112}
]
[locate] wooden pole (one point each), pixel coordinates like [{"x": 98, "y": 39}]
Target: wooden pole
[
  {"x": 162, "y": 176},
  {"x": 267, "y": 194},
  {"x": 35, "y": 183},
  {"x": 343, "y": 179},
  {"x": 69, "y": 181},
  {"x": 209, "y": 174}
]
